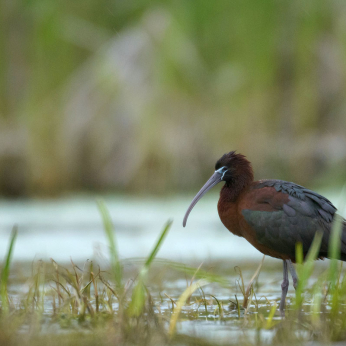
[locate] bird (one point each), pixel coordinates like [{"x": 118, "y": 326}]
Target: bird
[{"x": 272, "y": 215}]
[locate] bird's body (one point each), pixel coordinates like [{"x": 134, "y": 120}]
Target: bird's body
[{"x": 272, "y": 215}]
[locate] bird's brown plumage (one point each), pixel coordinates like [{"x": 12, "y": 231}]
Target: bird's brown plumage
[
  {"x": 232, "y": 218},
  {"x": 272, "y": 215}
]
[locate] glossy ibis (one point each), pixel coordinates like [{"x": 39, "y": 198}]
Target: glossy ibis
[{"x": 272, "y": 215}]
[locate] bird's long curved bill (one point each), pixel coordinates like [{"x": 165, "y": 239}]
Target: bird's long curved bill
[{"x": 213, "y": 180}]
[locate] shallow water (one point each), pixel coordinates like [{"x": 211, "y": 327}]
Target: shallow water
[
  {"x": 196, "y": 318},
  {"x": 72, "y": 227}
]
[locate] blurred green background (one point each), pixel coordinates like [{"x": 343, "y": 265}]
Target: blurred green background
[{"x": 144, "y": 96}]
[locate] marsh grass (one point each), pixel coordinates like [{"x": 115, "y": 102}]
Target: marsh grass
[
  {"x": 88, "y": 305},
  {"x": 5, "y": 273}
]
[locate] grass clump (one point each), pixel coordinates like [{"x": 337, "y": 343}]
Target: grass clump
[
  {"x": 91, "y": 305},
  {"x": 130, "y": 303}
]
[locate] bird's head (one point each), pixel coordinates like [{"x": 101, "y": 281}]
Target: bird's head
[{"x": 232, "y": 168}]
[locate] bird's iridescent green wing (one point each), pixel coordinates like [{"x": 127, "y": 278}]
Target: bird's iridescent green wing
[{"x": 293, "y": 214}]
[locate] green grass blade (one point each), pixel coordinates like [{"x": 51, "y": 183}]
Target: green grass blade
[
  {"x": 305, "y": 270},
  {"x": 335, "y": 239},
  {"x": 219, "y": 306},
  {"x": 299, "y": 253},
  {"x": 334, "y": 248},
  {"x": 113, "y": 251},
  {"x": 334, "y": 252},
  {"x": 158, "y": 243},
  {"x": 314, "y": 248},
  {"x": 334, "y": 243},
  {"x": 138, "y": 294},
  {"x": 270, "y": 323},
  {"x": 6, "y": 271},
  {"x": 138, "y": 299}
]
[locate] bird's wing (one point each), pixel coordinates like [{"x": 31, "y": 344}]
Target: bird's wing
[{"x": 283, "y": 213}]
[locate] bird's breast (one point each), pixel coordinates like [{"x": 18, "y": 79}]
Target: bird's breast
[
  {"x": 235, "y": 222},
  {"x": 230, "y": 213},
  {"x": 229, "y": 216}
]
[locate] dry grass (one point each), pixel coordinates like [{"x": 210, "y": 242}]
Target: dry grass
[{"x": 86, "y": 305}]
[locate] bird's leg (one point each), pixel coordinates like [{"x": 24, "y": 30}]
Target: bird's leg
[
  {"x": 284, "y": 287},
  {"x": 293, "y": 273}
]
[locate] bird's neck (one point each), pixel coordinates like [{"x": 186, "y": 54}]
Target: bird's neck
[
  {"x": 230, "y": 192},
  {"x": 229, "y": 195},
  {"x": 228, "y": 206},
  {"x": 241, "y": 178}
]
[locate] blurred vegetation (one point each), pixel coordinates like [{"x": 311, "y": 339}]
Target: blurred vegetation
[{"x": 147, "y": 95}]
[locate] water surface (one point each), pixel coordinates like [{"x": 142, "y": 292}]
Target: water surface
[{"x": 72, "y": 227}]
